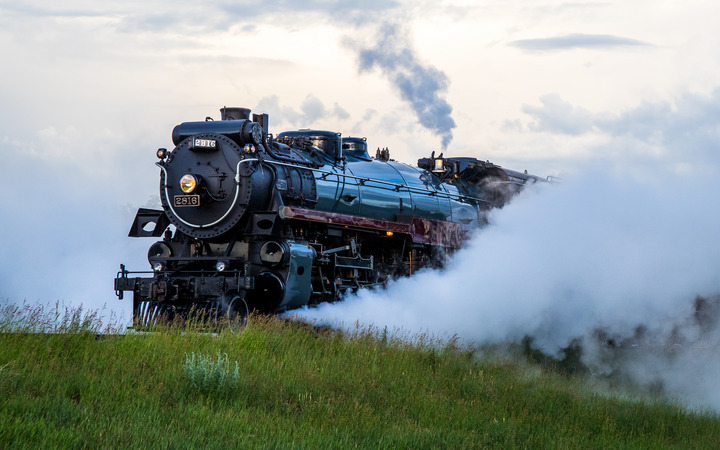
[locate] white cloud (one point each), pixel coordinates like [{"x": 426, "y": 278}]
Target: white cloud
[
  {"x": 96, "y": 87},
  {"x": 312, "y": 111},
  {"x": 684, "y": 133},
  {"x": 557, "y": 115},
  {"x": 576, "y": 40}
]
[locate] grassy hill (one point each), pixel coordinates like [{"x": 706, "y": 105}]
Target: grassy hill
[{"x": 299, "y": 386}]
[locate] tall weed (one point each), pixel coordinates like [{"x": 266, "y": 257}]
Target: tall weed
[
  {"x": 39, "y": 318},
  {"x": 211, "y": 376}
]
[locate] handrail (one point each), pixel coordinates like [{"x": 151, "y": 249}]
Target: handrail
[{"x": 396, "y": 187}]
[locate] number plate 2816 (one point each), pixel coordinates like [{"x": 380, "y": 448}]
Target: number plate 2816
[{"x": 187, "y": 200}]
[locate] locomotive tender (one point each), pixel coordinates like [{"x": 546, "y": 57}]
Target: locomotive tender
[{"x": 252, "y": 221}]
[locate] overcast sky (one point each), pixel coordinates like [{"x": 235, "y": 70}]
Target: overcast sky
[{"x": 90, "y": 89}]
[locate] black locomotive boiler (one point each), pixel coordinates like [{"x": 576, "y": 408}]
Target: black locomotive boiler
[{"x": 252, "y": 221}]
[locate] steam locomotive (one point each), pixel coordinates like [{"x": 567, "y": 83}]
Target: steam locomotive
[{"x": 256, "y": 222}]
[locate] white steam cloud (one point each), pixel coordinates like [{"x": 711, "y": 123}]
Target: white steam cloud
[
  {"x": 601, "y": 251},
  {"x": 65, "y": 231}
]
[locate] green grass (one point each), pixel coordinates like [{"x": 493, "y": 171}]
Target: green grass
[{"x": 304, "y": 387}]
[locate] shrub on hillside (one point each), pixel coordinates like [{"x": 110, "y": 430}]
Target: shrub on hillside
[{"x": 211, "y": 375}]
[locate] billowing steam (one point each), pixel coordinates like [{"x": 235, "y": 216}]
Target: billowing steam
[
  {"x": 604, "y": 259},
  {"x": 64, "y": 240},
  {"x": 420, "y": 85}
]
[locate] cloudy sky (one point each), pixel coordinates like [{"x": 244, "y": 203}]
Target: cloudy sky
[{"x": 90, "y": 89}]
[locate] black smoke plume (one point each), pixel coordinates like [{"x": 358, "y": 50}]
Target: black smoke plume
[{"x": 419, "y": 84}]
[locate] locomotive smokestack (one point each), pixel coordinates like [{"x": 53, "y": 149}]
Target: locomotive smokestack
[{"x": 233, "y": 113}]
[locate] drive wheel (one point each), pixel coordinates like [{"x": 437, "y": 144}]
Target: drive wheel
[{"x": 236, "y": 311}]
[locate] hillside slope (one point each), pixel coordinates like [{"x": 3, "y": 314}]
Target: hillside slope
[{"x": 299, "y": 386}]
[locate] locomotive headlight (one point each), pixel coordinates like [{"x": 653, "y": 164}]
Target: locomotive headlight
[
  {"x": 220, "y": 266},
  {"x": 188, "y": 183},
  {"x": 159, "y": 250},
  {"x": 158, "y": 266}
]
